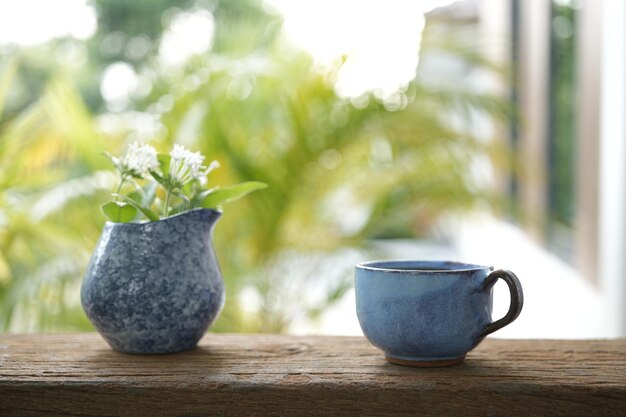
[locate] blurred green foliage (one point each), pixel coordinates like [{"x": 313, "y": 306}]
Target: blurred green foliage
[
  {"x": 340, "y": 171},
  {"x": 562, "y": 137}
]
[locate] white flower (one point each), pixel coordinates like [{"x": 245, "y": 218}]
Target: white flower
[
  {"x": 186, "y": 165},
  {"x": 139, "y": 160},
  {"x": 211, "y": 167}
]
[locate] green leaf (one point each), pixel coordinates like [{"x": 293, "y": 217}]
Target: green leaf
[
  {"x": 152, "y": 216},
  {"x": 149, "y": 195},
  {"x": 136, "y": 196},
  {"x": 196, "y": 200},
  {"x": 184, "y": 206},
  {"x": 220, "y": 196},
  {"x": 119, "y": 212},
  {"x": 145, "y": 195},
  {"x": 160, "y": 179},
  {"x": 182, "y": 196}
]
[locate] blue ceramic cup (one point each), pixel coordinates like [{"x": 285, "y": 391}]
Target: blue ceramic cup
[{"x": 430, "y": 313}]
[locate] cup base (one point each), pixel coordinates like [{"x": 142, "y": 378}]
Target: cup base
[{"x": 425, "y": 363}]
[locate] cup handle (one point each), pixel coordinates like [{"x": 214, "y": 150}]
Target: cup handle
[{"x": 517, "y": 298}]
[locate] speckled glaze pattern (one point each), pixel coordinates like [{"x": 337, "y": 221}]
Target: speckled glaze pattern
[
  {"x": 155, "y": 287},
  {"x": 425, "y": 311}
]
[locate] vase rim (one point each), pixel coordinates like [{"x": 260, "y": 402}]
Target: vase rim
[{"x": 148, "y": 222}]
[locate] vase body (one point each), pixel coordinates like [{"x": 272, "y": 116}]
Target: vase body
[{"x": 155, "y": 287}]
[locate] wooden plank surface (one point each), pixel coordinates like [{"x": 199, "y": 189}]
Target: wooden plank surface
[{"x": 272, "y": 375}]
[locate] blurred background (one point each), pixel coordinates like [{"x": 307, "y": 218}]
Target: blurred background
[{"x": 489, "y": 131}]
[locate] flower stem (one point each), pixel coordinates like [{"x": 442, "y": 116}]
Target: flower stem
[
  {"x": 119, "y": 187},
  {"x": 166, "y": 209}
]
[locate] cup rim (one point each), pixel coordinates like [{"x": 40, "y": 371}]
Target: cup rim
[{"x": 405, "y": 266}]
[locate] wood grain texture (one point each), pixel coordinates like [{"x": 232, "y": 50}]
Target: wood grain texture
[{"x": 272, "y": 375}]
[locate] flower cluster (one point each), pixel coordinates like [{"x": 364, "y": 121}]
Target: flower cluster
[
  {"x": 138, "y": 161},
  {"x": 174, "y": 183},
  {"x": 186, "y": 166}
]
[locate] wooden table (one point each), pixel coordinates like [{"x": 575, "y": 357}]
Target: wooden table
[{"x": 271, "y": 375}]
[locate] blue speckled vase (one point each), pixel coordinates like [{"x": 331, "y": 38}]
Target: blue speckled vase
[
  {"x": 429, "y": 313},
  {"x": 155, "y": 287}
]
